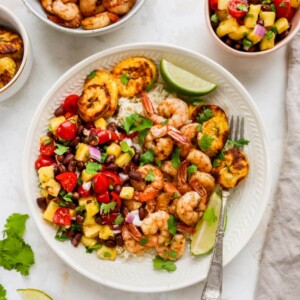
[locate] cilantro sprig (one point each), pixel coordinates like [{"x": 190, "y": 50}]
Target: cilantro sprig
[
  {"x": 135, "y": 122},
  {"x": 61, "y": 149},
  {"x": 125, "y": 78},
  {"x": 150, "y": 176},
  {"x": 205, "y": 116},
  {"x": 205, "y": 142},
  {"x": 106, "y": 208},
  {"x": 162, "y": 264},
  {"x": 147, "y": 157},
  {"x": 191, "y": 169},
  {"x": 239, "y": 143},
  {"x": 172, "y": 225},
  {"x": 175, "y": 161},
  {"x": 92, "y": 168}
]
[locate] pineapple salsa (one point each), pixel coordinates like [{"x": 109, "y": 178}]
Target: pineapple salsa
[{"x": 252, "y": 25}]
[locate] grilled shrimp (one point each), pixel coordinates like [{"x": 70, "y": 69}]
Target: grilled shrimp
[
  {"x": 99, "y": 20},
  {"x": 65, "y": 11},
  {"x": 167, "y": 168},
  {"x": 132, "y": 205},
  {"x": 173, "y": 251},
  {"x": 190, "y": 131},
  {"x": 119, "y": 7},
  {"x": 155, "y": 227},
  {"x": 162, "y": 145},
  {"x": 191, "y": 206},
  {"x": 171, "y": 110},
  {"x": 201, "y": 160},
  {"x": 47, "y": 5},
  {"x": 131, "y": 240},
  {"x": 204, "y": 180},
  {"x": 182, "y": 176},
  {"x": 152, "y": 189},
  {"x": 74, "y": 23},
  {"x": 167, "y": 201},
  {"x": 91, "y": 7}
]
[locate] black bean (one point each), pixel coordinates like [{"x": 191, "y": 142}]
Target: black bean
[
  {"x": 55, "y": 169},
  {"x": 68, "y": 158},
  {"x": 99, "y": 220},
  {"x": 101, "y": 241},
  {"x": 119, "y": 240},
  {"x": 71, "y": 205},
  {"x": 142, "y": 213},
  {"x": 80, "y": 165},
  {"x": 117, "y": 188},
  {"x": 110, "y": 159},
  {"x": 260, "y": 21},
  {"x": 50, "y": 134},
  {"x": 136, "y": 158},
  {"x": 79, "y": 121},
  {"x": 237, "y": 47},
  {"x": 75, "y": 141},
  {"x": 127, "y": 168},
  {"x": 282, "y": 35},
  {"x": 266, "y": 7},
  {"x": 72, "y": 166},
  {"x": 228, "y": 42},
  {"x": 41, "y": 202},
  {"x": 75, "y": 196},
  {"x": 110, "y": 243},
  {"x": 124, "y": 211},
  {"x": 93, "y": 140},
  {"x": 252, "y": 49},
  {"x": 80, "y": 129},
  {"x": 135, "y": 176},
  {"x": 112, "y": 167},
  {"x": 62, "y": 168},
  {"x": 69, "y": 151},
  {"x": 79, "y": 219},
  {"x": 112, "y": 126},
  {"x": 70, "y": 233},
  {"x": 76, "y": 239},
  {"x": 59, "y": 111},
  {"x": 60, "y": 158}
]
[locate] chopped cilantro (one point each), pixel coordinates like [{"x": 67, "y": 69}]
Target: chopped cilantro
[
  {"x": 47, "y": 142},
  {"x": 80, "y": 208},
  {"x": 175, "y": 195},
  {"x": 274, "y": 29},
  {"x": 92, "y": 248},
  {"x": 205, "y": 142},
  {"x": 172, "y": 224},
  {"x": 61, "y": 234},
  {"x": 205, "y": 116},
  {"x": 135, "y": 122},
  {"x": 79, "y": 181},
  {"x": 249, "y": 16},
  {"x": 215, "y": 163},
  {"x": 210, "y": 216},
  {"x": 269, "y": 34},
  {"x": 92, "y": 75},
  {"x": 68, "y": 197},
  {"x": 150, "y": 176},
  {"x": 219, "y": 157},
  {"x": 61, "y": 149},
  {"x": 239, "y": 143},
  {"x": 144, "y": 241},
  {"x": 272, "y": 7},
  {"x": 92, "y": 168},
  {"x": 125, "y": 78},
  {"x": 158, "y": 163},
  {"x": 119, "y": 220},
  {"x": 175, "y": 158},
  {"x": 283, "y": 4},
  {"x": 150, "y": 86},
  {"x": 199, "y": 127},
  {"x": 171, "y": 253},
  {"x": 125, "y": 148},
  {"x": 214, "y": 18},
  {"x": 75, "y": 227},
  {"x": 2, "y": 293},
  {"x": 161, "y": 264},
  {"x": 107, "y": 207},
  {"x": 247, "y": 43},
  {"x": 165, "y": 122},
  {"x": 191, "y": 169},
  {"x": 107, "y": 254},
  {"x": 242, "y": 7},
  {"x": 103, "y": 156},
  {"x": 147, "y": 157},
  {"x": 141, "y": 135}
]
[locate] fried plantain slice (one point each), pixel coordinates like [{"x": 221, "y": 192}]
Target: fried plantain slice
[
  {"x": 11, "y": 44},
  {"x": 8, "y": 70},
  {"x": 217, "y": 130},
  {"x": 104, "y": 78},
  {"x": 94, "y": 103},
  {"x": 205, "y": 112},
  {"x": 134, "y": 74},
  {"x": 233, "y": 168}
]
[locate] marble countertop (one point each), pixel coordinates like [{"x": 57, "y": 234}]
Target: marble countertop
[{"x": 167, "y": 21}]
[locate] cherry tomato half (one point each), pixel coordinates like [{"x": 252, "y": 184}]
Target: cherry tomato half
[
  {"x": 66, "y": 130},
  {"x": 104, "y": 135},
  {"x": 82, "y": 192},
  {"x": 112, "y": 177},
  {"x": 108, "y": 219},
  {"x": 71, "y": 104},
  {"x": 117, "y": 199},
  {"x": 291, "y": 14},
  {"x": 101, "y": 183},
  {"x": 213, "y": 4},
  {"x": 103, "y": 197},
  {"x": 62, "y": 217},
  {"x": 283, "y": 8},
  {"x": 43, "y": 161},
  {"x": 47, "y": 150},
  {"x": 68, "y": 180},
  {"x": 237, "y": 8}
]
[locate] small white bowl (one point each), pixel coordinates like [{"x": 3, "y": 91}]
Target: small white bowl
[
  {"x": 36, "y": 8},
  {"x": 295, "y": 26},
  {"x": 8, "y": 19}
]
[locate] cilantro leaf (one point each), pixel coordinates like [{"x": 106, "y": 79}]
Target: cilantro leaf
[
  {"x": 125, "y": 148},
  {"x": 172, "y": 224},
  {"x": 214, "y": 18},
  {"x": 161, "y": 264},
  {"x": 242, "y": 7},
  {"x": 150, "y": 86},
  {"x": 239, "y": 143},
  {"x": 199, "y": 127},
  {"x": 61, "y": 234},
  {"x": 135, "y": 122},
  {"x": 119, "y": 220},
  {"x": 147, "y": 157},
  {"x": 103, "y": 157},
  {"x": 210, "y": 216},
  {"x": 61, "y": 149},
  {"x": 107, "y": 207},
  {"x": 15, "y": 225},
  {"x": 141, "y": 135},
  {"x": 150, "y": 176},
  {"x": 125, "y": 78},
  {"x": 144, "y": 124},
  {"x": 219, "y": 157},
  {"x": 165, "y": 122},
  {"x": 92, "y": 75},
  {"x": 175, "y": 195},
  {"x": 107, "y": 254},
  {"x": 171, "y": 253},
  {"x": 93, "y": 168},
  {"x": 129, "y": 122},
  {"x": 205, "y": 116},
  {"x": 175, "y": 158},
  {"x": 68, "y": 197},
  {"x": 92, "y": 248},
  {"x": 191, "y": 169},
  {"x": 144, "y": 241},
  {"x": 205, "y": 142},
  {"x": 158, "y": 163},
  {"x": 2, "y": 293}
]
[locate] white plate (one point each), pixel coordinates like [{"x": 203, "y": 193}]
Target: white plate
[{"x": 247, "y": 203}]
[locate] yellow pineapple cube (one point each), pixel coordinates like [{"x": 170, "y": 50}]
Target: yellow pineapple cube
[
  {"x": 107, "y": 253},
  {"x": 88, "y": 242},
  {"x": 91, "y": 231},
  {"x": 282, "y": 25},
  {"x": 50, "y": 210},
  {"x": 252, "y": 15},
  {"x": 52, "y": 187},
  {"x": 227, "y": 26},
  {"x": 105, "y": 232},
  {"x": 46, "y": 173},
  {"x": 87, "y": 177},
  {"x": 268, "y": 17},
  {"x": 82, "y": 152},
  {"x": 114, "y": 149},
  {"x": 127, "y": 193},
  {"x": 100, "y": 123}
]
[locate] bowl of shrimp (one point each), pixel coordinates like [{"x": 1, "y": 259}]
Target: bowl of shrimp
[
  {"x": 15, "y": 54},
  {"x": 119, "y": 166},
  {"x": 85, "y": 17}
]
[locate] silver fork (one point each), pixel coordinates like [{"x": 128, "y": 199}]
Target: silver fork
[{"x": 213, "y": 285}]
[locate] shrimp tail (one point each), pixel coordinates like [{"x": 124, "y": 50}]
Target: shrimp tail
[
  {"x": 177, "y": 136},
  {"x": 149, "y": 109},
  {"x": 200, "y": 190}
]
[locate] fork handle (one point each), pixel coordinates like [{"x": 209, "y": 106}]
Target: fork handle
[{"x": 213, "y": 285}]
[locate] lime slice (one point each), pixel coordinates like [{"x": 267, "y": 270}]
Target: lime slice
[
  {"x": 184, "y": 82},
  {"x": 33, "y": 294},
  {"x": 203, "y": 240}
]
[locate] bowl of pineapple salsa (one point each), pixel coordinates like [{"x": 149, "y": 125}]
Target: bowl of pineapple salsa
[{"x": 252, "y": 27}]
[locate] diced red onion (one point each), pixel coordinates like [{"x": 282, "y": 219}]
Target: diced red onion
[
  {"x": 87, "y": 185},
  {"x": 95, "y": 153},
  {"x": 260, "y": 30},
  {"x": 129, "y": 218},
  {"x": 134, "y": 218},
  {"x": 116, "y": 231},
  {"x": 86, "y": 132},
  {"x": 123, "y": 177},
  {"x": 137, "y": 222}
]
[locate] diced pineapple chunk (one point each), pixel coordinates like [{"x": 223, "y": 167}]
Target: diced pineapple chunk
[
  {"x": 113, "y": 149},
  {"x": 105, "y": 232},
  {"x": 46, "y": 173},
  {"x": 82, "y": 152},
  {"x": 252, "y": 15},
  {"x": 87, "y": 177},
  {"x": 43, "y": 139},
  {"x": 89, "y": 220},
  {"x": 268, "y": 17},
  {"x": 223, "y": 4},
  {"x": 222, "y": 14},
  {"x": 91, "y": 231},
  {"x": 124, "y": 158},
  {"x": 83, "y": 200},
  {"x": 74, "y": 119},
  {"x": 227, "y": 26},
  {"x": 88, "y": 242},
  {"x": 295, "y": 3},
  {"x": 43, "y": 193},
  {"x": 55, "y": 122},
  {"x": 52, "y": 187},
  {"x": 241, "y": 32},
  {"x": 282, "y": 25},
  {"x": 73, "y": 213},
  {"x": 107, "y": 253},
  {"x": 253, "y": 37},
  {"x": 127, "y": 192},
  {"x": 50, "y": 211},
  {"x": 267, "y": 42},
  {"x": 100, "y": 123},
  {"x": 92, "y": 208}
]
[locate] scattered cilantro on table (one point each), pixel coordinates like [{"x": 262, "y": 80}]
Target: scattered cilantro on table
[{"x": 2, "y": 293}]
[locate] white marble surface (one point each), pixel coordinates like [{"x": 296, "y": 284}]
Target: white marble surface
[{"x": 167, "y": 21}]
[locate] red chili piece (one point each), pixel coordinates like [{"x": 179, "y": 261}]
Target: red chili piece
[
  {"x": 108, "y": 219},
  {"x": 68, "y": 180}
]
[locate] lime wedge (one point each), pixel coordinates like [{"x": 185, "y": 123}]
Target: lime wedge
[
  {"x": 203, "y": 240},
  {"x": 184, "y": 82},
  {"x": 33, "y": 294}
]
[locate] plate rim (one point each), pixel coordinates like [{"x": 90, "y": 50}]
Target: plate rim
[{"x": 159, "y": 47}]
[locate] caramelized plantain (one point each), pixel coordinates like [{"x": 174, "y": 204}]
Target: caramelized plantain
[
  {"x": 218, "y": 130},
  {"x": 11, "y": 45},
  {"x": 232, "y": 169},
  {"x": 206, "y": 112},
  {"x": 8, "y": 70},
  {"x": 134, "y": 74}
]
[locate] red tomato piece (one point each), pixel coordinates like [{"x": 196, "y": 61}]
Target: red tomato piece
[
  {"x": 108, "y": 219},
  {"x": 68, "y": 115},
  {"x": 101, "y": 183},
  {"x": 66, "y": 130},
  {"x": 104, "y": 135},
  {"x": 291, "y": 14},
  {"x": 117, "y": 199},
  {"x": 213, "y": 4},
  {"x": 71, "y": 104},
  {"x": 43, "y": 161},
  {"x": 112, "y": 177},
  {"x": 237, "y": 8},
  {"x": 103, "y": 197},
  {"x": 68, "y": 180},
  {"x": 47, "y": 150},
  {"x": 62, "y": 217},
  {"x": 283, "y": 8},
  {"x": 82, "y": 192}
]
